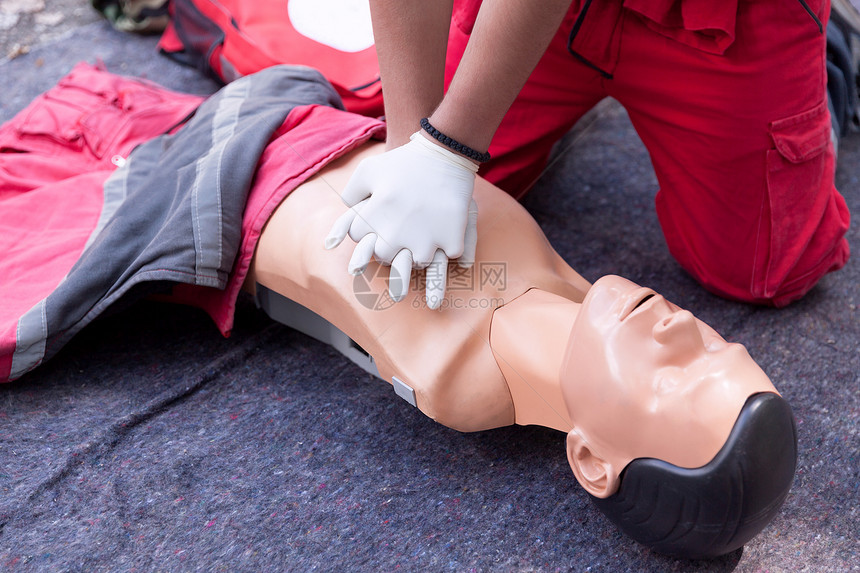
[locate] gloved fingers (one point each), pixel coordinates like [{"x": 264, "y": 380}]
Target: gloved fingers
[
  {"x": 362, "y": 254},
  {"x": 357, "y": 189},
  {"x": 385, "y": 252},
  {"x": 360, "y": 227},
  {"x": 453, "y": 242},
  {"x": 399, "y": 275},
  {"x": 423, "y": 258},
  {"x": 470, "y": 240},
  {"x": 436, "y": 276},
  {"x": 340, "y": 229},
  {"x": 453, "y": 245},
  {"x": 427, "y": 257}
]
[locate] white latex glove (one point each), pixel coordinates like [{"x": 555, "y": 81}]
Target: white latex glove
[{"x": 411, "y": 207}]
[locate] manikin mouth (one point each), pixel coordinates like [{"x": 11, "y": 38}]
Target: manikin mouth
[
  {"x": 636, "y": 300},
  {"x": 643, "y": 301}
]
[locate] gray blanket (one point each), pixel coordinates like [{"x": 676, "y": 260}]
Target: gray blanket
[{"x": 150, "y": 443}]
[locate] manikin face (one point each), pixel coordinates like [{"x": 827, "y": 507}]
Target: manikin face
[{"x": 643, "y": 378}]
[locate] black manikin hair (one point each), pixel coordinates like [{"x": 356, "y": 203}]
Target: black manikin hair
[{"x": 712, "y": 510}]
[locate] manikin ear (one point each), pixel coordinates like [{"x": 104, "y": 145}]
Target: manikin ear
[{"x": 596, "y": 475}]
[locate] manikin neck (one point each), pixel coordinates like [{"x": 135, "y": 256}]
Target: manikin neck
[{"x": 529, "y": 338}]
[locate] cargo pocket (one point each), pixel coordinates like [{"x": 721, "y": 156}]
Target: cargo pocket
[
  {"x": 799, "y": 173},
  {"x": 50, "y": 123},
  {"x": 63, "y": 126},
  {"x": 54, "y": 122}
]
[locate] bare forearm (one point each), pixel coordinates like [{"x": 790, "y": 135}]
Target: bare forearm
[
  {"x": 411, "y": 39},
  {"x": 508, "y": 40}
]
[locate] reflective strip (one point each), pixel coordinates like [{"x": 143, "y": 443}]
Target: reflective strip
[
  {"x": 206, "y": 214},
  {"x": 114, "y": 190},
  {"x": 32, "y": 332},
  {"x": 30, "y": 338}
]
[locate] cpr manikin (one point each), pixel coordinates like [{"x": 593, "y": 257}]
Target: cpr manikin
[{"x": 679, "y": 436}]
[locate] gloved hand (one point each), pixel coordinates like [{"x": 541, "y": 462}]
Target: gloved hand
[{"x": 411, "y": 207}]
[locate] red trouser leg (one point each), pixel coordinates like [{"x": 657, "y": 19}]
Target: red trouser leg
[{"x": 740, "y": 143}]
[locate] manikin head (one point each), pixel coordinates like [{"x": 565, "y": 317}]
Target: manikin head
[{"x": 660, "y": 399}]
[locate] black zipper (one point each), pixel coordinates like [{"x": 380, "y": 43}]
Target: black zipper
[
  {"x": 576, "y": 26},
  {"x": 811, "y": 13}
]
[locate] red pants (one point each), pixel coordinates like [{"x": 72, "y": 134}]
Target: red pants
[{"x": 730, "y": 100}]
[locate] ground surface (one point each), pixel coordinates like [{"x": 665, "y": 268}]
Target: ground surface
[{"x": 151, "y": 443}]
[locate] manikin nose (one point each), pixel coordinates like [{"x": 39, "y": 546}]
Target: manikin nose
[{"x": 678, "y": 331}]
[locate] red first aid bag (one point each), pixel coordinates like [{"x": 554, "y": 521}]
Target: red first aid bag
[{"x": 228, "y": 39}]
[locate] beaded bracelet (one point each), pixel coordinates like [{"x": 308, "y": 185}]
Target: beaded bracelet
[{"x": 454, "y": 144}]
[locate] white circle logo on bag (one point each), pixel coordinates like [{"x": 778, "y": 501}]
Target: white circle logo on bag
[{"x": 341, "y": 24}]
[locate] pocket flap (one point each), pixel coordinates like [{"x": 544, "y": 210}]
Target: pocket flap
[{"x": 802, "y": 136}]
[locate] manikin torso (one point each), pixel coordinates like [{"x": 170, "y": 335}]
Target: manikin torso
[{"x": 444, "y": 356}]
